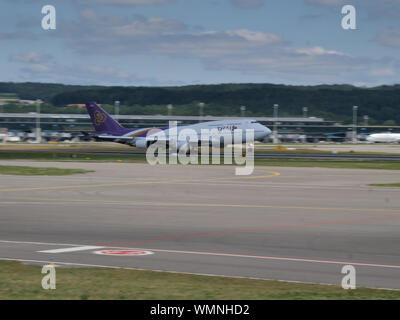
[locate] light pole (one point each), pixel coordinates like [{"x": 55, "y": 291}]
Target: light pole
[
  {"x": 366, "y": 120},
  {"x": 38, "y": 129},
  {"x": 201, "y": 107},
  {"x": 355, "y": 109},
  {"x": 116, "y": 109},
  {"x": 242, "y": 111},
  {"x": 305, "y": 111},
  {"x": 275, "y": 135},
  {"x": 169, "y": 107}
]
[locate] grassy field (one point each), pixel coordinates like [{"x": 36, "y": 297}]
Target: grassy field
[
  {"x": 32, "y": 171},
  {"x": 69, "y": 156},
  {"x": 351, "y": 164},
  {"x": 20, "y": 281},
  {"x": 58, "y": 156},
  {"x": 103, "y": 146},
  {"x": 392, "y": 185}
]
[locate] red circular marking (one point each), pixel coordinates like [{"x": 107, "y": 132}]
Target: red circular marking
[{"x": 123, "y": 252}]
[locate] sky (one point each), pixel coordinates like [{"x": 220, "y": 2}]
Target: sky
[{"x": 188, "y": 42}]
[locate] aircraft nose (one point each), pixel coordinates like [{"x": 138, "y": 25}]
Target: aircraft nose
[{"x": 267, "y": 131}]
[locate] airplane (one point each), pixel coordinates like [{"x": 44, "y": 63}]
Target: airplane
[
  {"x": 108, "y": 129},
  {"x": 384, "y": 137}
]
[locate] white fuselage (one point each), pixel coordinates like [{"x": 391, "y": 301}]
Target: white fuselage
[
  {"x": 199, "y": 132},
  {"x": 236, "y": 130},
  {"x": 384, "y": 137}
]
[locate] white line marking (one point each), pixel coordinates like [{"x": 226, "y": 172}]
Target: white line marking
[
  {"x": 271, "y": 258},
  {"x": 219, "y": 254},
  {"x": 42, "y": 243},
  {"x": 71, "y": 249}
]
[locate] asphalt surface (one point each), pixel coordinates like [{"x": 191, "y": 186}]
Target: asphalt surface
[
  {"x": 297, "y": 224},
  {"x": 260, "y": 155}
]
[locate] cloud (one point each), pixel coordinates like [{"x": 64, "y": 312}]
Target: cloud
[
  {"x": 132, "y": 2},
  {"x": 325, "y": 2},
  {"x": 386, "y": 72},
  {"x": 248, "y": 4},
  {"x": 214, "y": 44},
  {"x": 318, "y": 51},
  {"x": 17, "y": 36},
  {"x": 147, "y": 27},
  {"x": 33, "y": 62},
  {"x": 44, "y": 68},
  {"x": 98, "y": 28},
  {"x": 242, "y": 51},
  {"x": 249, "y": 52},
  {"x": 37, "y": 68},
  {"x": 286, "y": 63},
  {"x": 108, "y": 34},
  {"x": 329, "y": 3},
  {"x": 105, "y": 71},
  {"x": 376, "y": 9},
  {"x": 389, "y": 38},
  {"x": 29, "y": 57},
  {"x": 117, "y": 2},
  {"x": 91, "y": 16}
]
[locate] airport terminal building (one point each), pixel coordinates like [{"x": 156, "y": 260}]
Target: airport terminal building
[{"x": 69, "y": 126}]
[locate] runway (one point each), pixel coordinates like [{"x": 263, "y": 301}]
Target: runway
[
  {"x": 294, "y": 224},
  {"x": 257, "y": 155}
]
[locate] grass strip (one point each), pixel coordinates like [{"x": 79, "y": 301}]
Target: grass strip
[
  {"x": 21, "y": 281},
  {"x": 34, "y": 171}
]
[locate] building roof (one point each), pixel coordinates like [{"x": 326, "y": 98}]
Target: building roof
[{"x": 158, "y": 117}]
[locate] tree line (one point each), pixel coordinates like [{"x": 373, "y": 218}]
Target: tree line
[{"x": 332, "y": 102}]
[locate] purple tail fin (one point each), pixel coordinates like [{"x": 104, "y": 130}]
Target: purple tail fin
[{"x": 102, "y": 121}]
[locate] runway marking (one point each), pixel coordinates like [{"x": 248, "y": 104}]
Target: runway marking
[
  {"x": 272, "y": 174},
  {"x": 188, "y": 204},
  {"x": 84, "y": 248},
  {"x": 41, "y": 243},
  {"x": 366, "y": 264},
  {"x": 124, "y": 253},
  {"x": 235, "y": 255}
]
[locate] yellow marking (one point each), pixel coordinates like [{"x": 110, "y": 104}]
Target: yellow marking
[
  {"x": 187, "y": 204},
  {"x": 272, "y": 174},
  {"x": 140, "y": 132}
]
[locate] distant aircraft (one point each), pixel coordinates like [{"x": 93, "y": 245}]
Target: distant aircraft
[
  {"x": 384, "y": 137},
  {"x": 6, "y": 137},
  {"x": 107, "y": 129}
]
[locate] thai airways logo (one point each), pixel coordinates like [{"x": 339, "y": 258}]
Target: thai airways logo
[
  {"x": 227, "y": 128},
  {"x": 99, "y": 118}
]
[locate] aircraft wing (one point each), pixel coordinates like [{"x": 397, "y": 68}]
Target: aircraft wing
[{"x": 107, "y": 137}]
